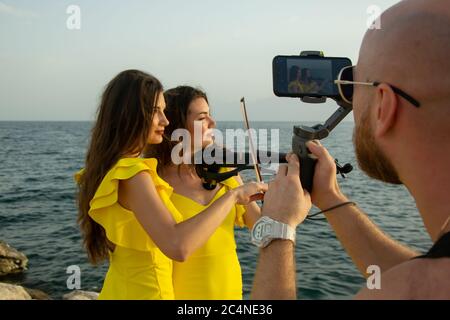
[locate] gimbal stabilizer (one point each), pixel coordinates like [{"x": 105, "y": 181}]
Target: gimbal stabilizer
[{"x": 211, "y": 175}]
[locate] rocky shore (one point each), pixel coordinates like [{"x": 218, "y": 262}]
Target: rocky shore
[{"x": 13, "y": 262}]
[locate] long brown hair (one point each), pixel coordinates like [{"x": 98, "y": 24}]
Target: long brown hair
[
  {"x": 177, "y": 107},
  {"x": 123, "y": 124}
]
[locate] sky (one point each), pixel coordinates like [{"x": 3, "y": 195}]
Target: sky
[{"x": 51, "y": 72}]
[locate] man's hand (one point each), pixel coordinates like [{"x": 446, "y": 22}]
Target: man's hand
[
  {"x": 326, "y": 192},
  {"x": 286, "y": 201}
]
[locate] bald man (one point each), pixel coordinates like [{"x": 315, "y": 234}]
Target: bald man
[{"x": 396, "y": 142}]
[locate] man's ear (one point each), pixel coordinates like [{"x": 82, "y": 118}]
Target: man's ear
[{"x": 386, "y": 108}]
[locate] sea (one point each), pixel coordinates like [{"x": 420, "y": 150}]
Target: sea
[{"x": 38, "y": 211}]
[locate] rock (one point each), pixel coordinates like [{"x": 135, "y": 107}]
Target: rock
[
  {"x": 37, "y": 294},
  {"x": 13, "y": 292},
  {"x": 81, "y": 295},
  {"x": 11, "y": 260}
]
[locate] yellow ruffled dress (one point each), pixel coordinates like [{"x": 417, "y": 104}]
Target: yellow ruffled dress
[
  {"x": 213, "y": 271},
  {"x": 138, "y": 269}
]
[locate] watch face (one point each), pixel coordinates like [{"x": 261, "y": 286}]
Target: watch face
[
  {"x": 258, "y": 231},
  {"x": 261, "y": 230}
]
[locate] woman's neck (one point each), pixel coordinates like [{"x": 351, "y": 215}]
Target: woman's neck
[
  {"x": 182, "y": 169},
  {"x": 132, "y": 155}
]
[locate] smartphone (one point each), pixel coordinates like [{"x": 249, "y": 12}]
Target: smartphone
[{"x": 311, "y": 76}]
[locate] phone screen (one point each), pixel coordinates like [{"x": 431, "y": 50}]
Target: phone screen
[{"x": 298, "y": 76}]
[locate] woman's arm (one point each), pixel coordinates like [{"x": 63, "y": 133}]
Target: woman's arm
[
  {"x": 178, "y": 241},
  {"x": 252, "y": 210}
]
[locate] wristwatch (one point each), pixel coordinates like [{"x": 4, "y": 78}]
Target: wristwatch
[{"x": 266, "y": 229}]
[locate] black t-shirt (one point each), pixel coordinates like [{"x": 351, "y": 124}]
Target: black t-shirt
[{"x": 441, "y": 249}]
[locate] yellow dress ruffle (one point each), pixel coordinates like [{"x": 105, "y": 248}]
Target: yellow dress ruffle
[
  {"x": 138, "y": 269},
  {"x": 212, "y": 271}
]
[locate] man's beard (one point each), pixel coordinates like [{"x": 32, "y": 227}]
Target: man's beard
[{"x": 370, "y": 158}]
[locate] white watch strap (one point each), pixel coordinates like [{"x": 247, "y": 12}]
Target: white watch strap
[
  {"x": 283, "y": 231},
  {"x": 288, "y": 232}
]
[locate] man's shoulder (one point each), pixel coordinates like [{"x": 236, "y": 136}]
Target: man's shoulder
[{"x": 414, "y": 279}]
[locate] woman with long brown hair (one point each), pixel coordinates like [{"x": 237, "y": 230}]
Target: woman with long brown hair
[
  {"x": 213, "y": 270},
  {"x": 125, "y": 212}
]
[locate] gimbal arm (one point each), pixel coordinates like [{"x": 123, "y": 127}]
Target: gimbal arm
[{"x": 303, "y": 134}]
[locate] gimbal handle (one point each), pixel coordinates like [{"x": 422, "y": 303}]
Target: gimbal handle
[{"x": 303, "y": 134}]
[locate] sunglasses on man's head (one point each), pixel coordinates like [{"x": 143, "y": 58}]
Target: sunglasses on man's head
[{"x": 345, "y": 85}]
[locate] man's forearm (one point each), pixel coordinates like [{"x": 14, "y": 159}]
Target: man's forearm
[
  {"x": 365, "y": 243},
  {"x": 275, "y": 274}
]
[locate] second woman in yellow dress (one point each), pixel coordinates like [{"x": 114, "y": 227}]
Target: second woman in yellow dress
[{"x": 213, "y": 270}]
